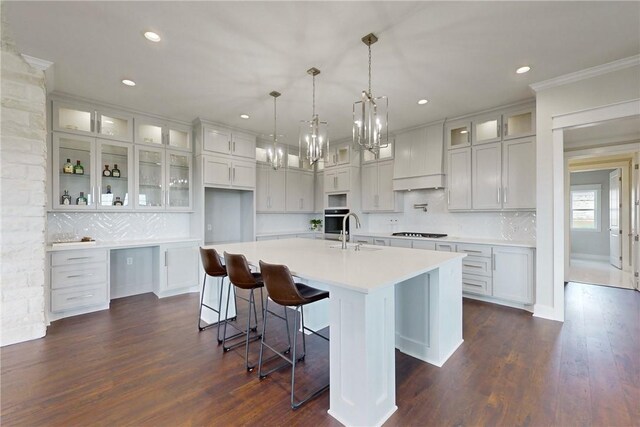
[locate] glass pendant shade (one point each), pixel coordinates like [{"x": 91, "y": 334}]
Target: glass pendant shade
[
  {"x": 275, "y": 154},
  {"x": 370, "y": 114},
  {"x": 314, "y": 134}
]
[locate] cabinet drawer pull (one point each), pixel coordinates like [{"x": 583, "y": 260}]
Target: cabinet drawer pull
[
  {"x": 473, "y": 251},
  {"x": 471, "y": 266},
  {"x": 79, "y": 275},
  {"x": 80, "y": 297},
  {"x": 79, "y": 257}
]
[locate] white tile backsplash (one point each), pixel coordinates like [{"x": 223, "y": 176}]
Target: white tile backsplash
[
  {"x": 117, "y": 226},
  {"x": 437, "y": 219}
]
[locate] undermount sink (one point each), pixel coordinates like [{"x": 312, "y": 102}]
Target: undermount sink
[{"x": 353, "y": 246}]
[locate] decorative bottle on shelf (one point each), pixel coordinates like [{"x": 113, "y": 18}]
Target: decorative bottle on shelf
[
  {"x": 66, "y": 198},
  {"x": 117, "y": 201},
  {"x": 108, "y": 189},
  {"x": 106, "y": 171},
  {"x": 78, "y": 169},
  {"x": 68, "y": 167},
  {"x": 115, "y": 172},
  {"x": 81, "y": 201}
]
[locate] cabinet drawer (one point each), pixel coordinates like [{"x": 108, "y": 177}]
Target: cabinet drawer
[
  {"x": 73, "y": 275},
  {"x": 431, "y": 246},
  {"x": 446, "y": 247},
  {"x": 85, "y": 296},
  {"x": 364, "y": 240},
  {"x": 475, "y": 250},
  {"x": 78, "y": 257},
  {"x": 476, "y": 284},
  {"x": 476, "y": 265}
]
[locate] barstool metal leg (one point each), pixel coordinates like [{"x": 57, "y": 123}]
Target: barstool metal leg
[
  {"x": 204, "y": 282},
  {"x": 264, "y": 328}
]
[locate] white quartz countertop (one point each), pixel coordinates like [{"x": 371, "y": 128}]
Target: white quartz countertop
[
  {"x": 120, "y": 244},
  {"x": 364, "y": 271},
  {"x": 285, "y": 233},
  {"x": 452, "y": 239}
]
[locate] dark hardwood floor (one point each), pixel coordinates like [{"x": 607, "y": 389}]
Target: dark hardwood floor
[{"x": 144, "y": 363}]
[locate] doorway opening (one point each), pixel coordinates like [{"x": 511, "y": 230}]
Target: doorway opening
[{"x": 601, "y": 213}]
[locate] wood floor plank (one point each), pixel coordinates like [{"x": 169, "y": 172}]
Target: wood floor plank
[{"x": 143, "y": 363}]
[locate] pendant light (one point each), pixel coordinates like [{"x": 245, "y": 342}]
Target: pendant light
[
  {"x": 275, "y": 156},
  {"x": 370, "y": 115},
  {"x": 313, "y": 133}
]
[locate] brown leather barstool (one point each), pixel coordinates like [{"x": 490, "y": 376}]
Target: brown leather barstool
[
  {"x": 284, "y": 291},
  {"x": 241, "y": 277},
  {"x": 213, "y": 268}
]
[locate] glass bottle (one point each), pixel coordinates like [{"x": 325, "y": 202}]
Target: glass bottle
[
  {"x": 81, "y": 201},
  {"x": 108, "y": 189},
  {"x": 117, "y": 201},
  {"x": 78, "y": 169},
  {"x": 106, "y": 171},
  {"x": 115, "y": 172},
  {"x": 68, "y": 167},
  {"x": 66, "y": 198}
]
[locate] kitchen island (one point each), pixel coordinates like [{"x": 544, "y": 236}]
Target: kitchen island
[{"x": 381, "y": 298}]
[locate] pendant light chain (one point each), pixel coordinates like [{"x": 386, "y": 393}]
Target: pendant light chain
[
  {"x": 369, "y": 70},
  {"x": 275, "y": 122},
  {"x": 314, "y": 95}
]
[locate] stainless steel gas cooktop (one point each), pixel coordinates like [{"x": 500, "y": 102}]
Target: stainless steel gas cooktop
[{"x": 413, "y": 234}]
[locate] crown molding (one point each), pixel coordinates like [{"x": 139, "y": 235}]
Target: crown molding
[
  {"x": 37, "y": 63},
  {"x": 598, "y": 70}
]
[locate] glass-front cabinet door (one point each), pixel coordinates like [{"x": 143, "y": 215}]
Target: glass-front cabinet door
[
  {"x": 74, "y": 118},
  {"x": 487, "y": 129},
  {"x": 519, "y": 122},
  {"x": 149, "y": 131},
  {"x": 115, "y": 178},
  {"x": 149, "y": 170},
  {"x": 179, "y": 180},
  {"x": 458, "y": 134},
  {"x": 178, "y": 136},
  {"x": 114, "y": 125},
  {"x": 73, "y": 172}
]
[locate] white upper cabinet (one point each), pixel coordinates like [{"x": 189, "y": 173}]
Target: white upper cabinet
[
  {"x": 377, "y": 187},
  {"x": 385, "y": 153},
  {"x": 299, "y": 191},
  {"x": 519, "y": 173},
  {"x": 150, "y": 175},
  {"x": 86, "y": 119},
  {"x": 115, "y": 179},
  {"x": 459, "y": 179},
  {"x": 458, "y": 134},
  {"x": 73, "y": 186},
  {"x": 337, "y": 155},
  {"x": 226, "y": 172},
  {"x": 270, "y": 189},
  {"x": 487, "y": 128},
  {"x": 318, "y": 204},
  {"x": 154, "y": 131},
  {"x": 179, "y": 175},
  {"x": 487, "y": 176},
  {"x": 217, "y": 140},
  {"x": 519, "y": 122}
]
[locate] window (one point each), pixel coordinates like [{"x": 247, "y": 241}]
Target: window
[{"x": 585, "y": 207}]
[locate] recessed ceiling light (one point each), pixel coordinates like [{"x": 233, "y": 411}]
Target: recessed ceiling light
[
  {"x": 523, "y": 70},
  {"x": 128, "y": 82},
  {"x": 152, "y": 37},
  {"x": 464, "y": 131},
  {"x": 244, "y": 116},
  {"x": 422, "y": 101}
]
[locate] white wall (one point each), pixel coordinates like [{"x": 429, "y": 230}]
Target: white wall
[
  {"x": 617, "y": 86},
  {"x": 23, "y": 151},
  {"x": 588, "y": 242},
  {"x": 437, "y": 219},
  {"x": 268, "y": 223}
]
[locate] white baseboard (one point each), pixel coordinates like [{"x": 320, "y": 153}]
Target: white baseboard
[{"x": 589, "y": 257}]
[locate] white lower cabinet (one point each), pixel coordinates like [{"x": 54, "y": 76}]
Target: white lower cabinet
[
  {"x": 180, "y": 269},
  {"x": 79, "y": 282},
  {"x": 513, "y": 274},
  {"x": 400, "y": 243}
]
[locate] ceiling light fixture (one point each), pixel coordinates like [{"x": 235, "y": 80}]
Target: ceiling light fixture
[
  {"x": 422, "y": 101},
  {"x": 275, "y": 155},
  {"x": 128, "y": 82},
  {"x": 244, "y": 116},
  {"x": 313, "y": 133},
  {"x": 370, "y": 114},
  {"x": 152, "y": 37},
  {"x": 523, "y": 70}
]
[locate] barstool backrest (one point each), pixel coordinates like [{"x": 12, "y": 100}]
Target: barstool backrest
[
  {"x": 280, "y": 285},
  {"x": 211, "y": 263},
  {"x": 239, "y": 271}
]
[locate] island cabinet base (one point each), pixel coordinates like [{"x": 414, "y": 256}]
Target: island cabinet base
[
  {"x": 428, "y": 321},
  {"x": 362, "y": 358}
]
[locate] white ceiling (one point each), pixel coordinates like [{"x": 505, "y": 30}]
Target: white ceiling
[{"x": 220, "y": 59}]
